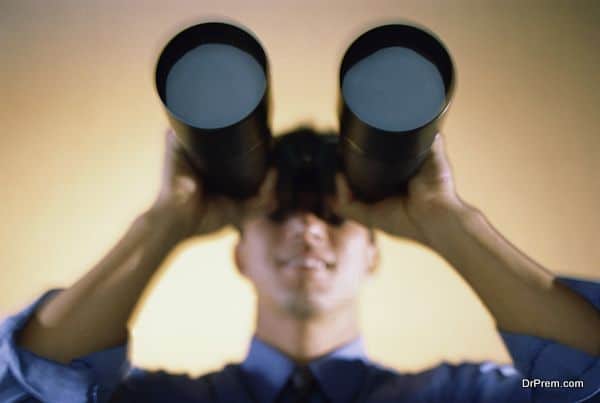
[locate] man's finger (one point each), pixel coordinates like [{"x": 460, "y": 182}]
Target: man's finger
[
  {"x": 342, "y": 190},
  {"x": 265, "y": 197},
  {"x": 436, "y": 165},
  {"x": 264, "y": 200},
  {"x": 268, "y": 186},
  {"x": 171, "y": 141},
  {"x": 438, "y": 149}
]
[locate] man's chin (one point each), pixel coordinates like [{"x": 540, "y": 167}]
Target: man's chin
[{"x": 306, "y": 306}]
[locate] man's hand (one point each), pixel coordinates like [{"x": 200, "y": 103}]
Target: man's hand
[
  {"x": 92, "y": 314},
  {"x": 430, "y": 194},
  {"x": 196, "y": 213}
]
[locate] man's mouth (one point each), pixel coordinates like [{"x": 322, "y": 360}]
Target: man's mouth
[{"x": 308, "y": 262}]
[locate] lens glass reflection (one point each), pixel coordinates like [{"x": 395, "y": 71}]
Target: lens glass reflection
[
  {"x": 214, "y": 85},
  {"x": 394, "y": 89}
]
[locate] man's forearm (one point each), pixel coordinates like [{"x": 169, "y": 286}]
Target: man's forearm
[
  {"x": 92, "y": 314},
  {"x": 521, "y": 295}
]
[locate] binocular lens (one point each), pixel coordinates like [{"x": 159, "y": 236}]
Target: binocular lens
[
  {"x": 394, "y": 89},
  {"x": 214, "y": 85}
]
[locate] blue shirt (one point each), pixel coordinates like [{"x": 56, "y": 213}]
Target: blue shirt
[{"x": 344, "y": 375}]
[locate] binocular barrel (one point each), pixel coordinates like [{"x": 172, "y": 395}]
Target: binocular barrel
[
  {"x": 396, "y": 82},
  {"x": 213, "y": 79}
]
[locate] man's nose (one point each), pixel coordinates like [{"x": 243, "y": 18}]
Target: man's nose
[{"x": 311, "y": 228}]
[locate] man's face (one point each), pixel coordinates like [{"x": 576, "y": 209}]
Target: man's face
[{"x": 303, "y": 265}]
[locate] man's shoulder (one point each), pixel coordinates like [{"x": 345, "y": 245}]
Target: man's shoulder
[
  {"x": 449, "y": 369},
  {"x": 434, "y": 381},
  {"x": 161, "y": 385}
]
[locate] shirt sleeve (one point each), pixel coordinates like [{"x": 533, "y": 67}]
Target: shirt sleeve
[
  {"x": 575, "y": 375},
  {"x": 27, "y": 377}
]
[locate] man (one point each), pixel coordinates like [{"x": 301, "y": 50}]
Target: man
[{"x": 307, "y": 267}]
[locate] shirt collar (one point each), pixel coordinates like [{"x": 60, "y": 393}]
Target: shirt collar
[{"x": 339, "y": 373}]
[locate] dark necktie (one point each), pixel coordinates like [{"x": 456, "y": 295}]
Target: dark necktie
[{"x": 300, "y": 387}]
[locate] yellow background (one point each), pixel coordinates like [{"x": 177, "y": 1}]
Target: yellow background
[{"x": 81, "y": 142}]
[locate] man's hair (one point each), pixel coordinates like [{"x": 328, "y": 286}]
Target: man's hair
[{"x": 306, "y": 161}]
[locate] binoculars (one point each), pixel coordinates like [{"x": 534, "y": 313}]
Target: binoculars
[{"x": 395, "y": 86}]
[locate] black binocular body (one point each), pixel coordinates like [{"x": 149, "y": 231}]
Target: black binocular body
[{"x": 396, "y": 83}]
